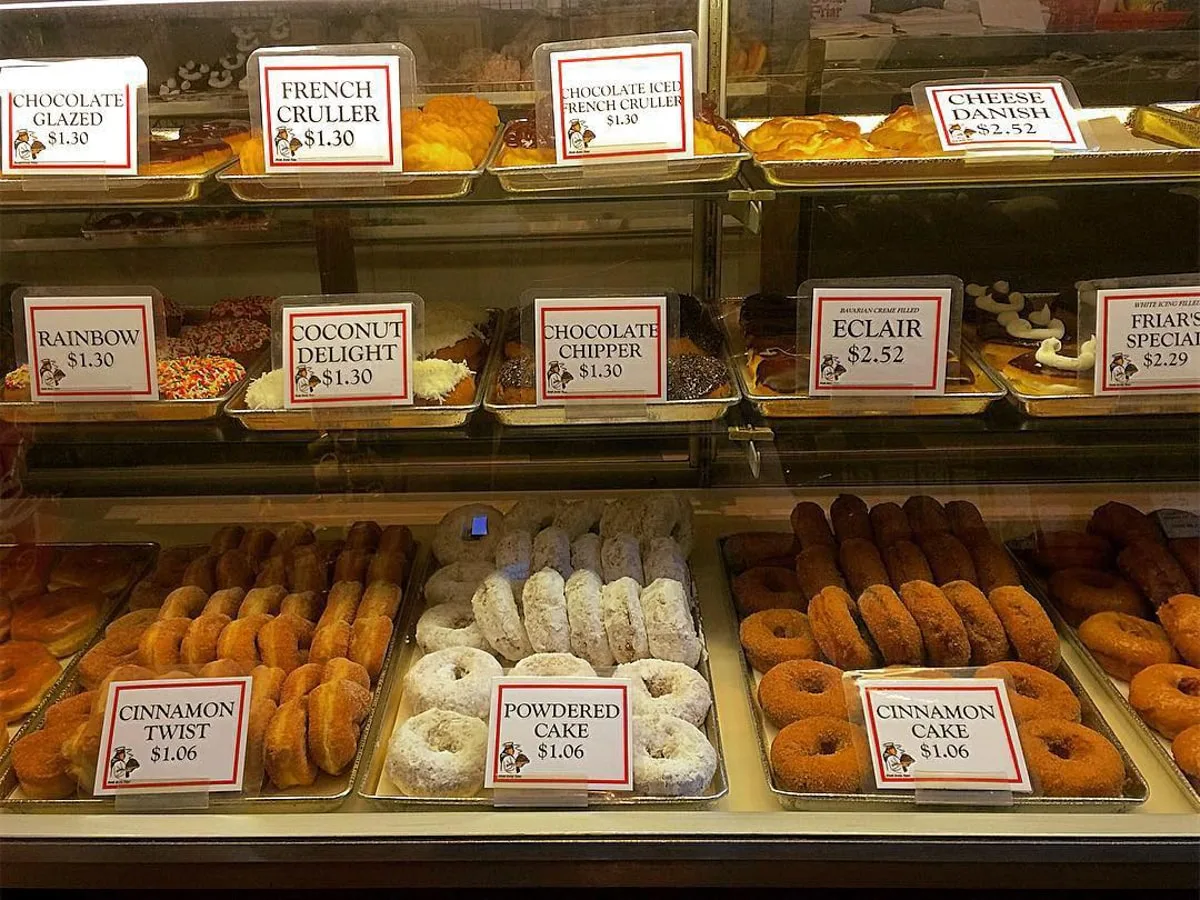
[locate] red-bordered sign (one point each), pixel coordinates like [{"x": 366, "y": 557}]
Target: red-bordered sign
[
  {"x": 1063, "y": 116},
  {"x": 1107, "y": 379},
  {"x": 129, "y": 162},
  {"x": 144, "y": 391},
  {"x": 402, "y": 312}
]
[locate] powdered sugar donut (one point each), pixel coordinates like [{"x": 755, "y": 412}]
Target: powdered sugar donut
[
  {"x": 497, "y": 616},
  {"x": 578, "y": 517},
  {"x": 550, "y": 665},
  {"x": 662, "y": 687},
  {"x": 456, "y": 582},
  {"x": 670, "y": 631},
  {"x": 585, "y": 552},
  {"x": 514, "y": 550},
  {"x": 439, "y": 753},
  {"x": 544, "y": 603},
  {"x": 671, "y": 757},
  {"x": 552, "y": 550},
  {"x": 621, "y": 557},
  {"x": 659, "y": 517},
  {"x": 621, "y": 608},
  {"x": 449, "y": 625},
  {"x": 529, "y": 515},
  {"x": 620, "y": 516},
  {"x": 457, "y": 678},
  {"x": 469, "y": 532},
  {"x": 665, "y": 559},
  {"x": 588, "y": 638}
]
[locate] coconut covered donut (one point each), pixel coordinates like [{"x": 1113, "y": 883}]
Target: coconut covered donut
[
  {"x": 585, "y": 553},
  {"x": 498, "y": 618},
  {"x": 457, "y": 678},
  {"x": 514, "y": 554},
  {"x": 671, "y": 757},
  {"x": 624, "y": 623},
  {"x": 552, "y": 550},
  {"x": 450, "y": 625},
  {"x": 662, "y": 687},
  {"x": 467, "y": 533},
  {"x": 456, "y": 582},
  {"x": 670, "y": 631},
  {"x": 545, "y": 604},
  {"x": 438, "y": 753},
  {"x": 530, "y": 515},
  {"x": 551, "y": 665},
  {"x": 585, "y": 617},
  {"x": 578, "y": 517},
  {"x": 621, "y": 557}
]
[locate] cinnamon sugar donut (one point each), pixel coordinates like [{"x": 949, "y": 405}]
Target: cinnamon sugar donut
[
  {"x": 342, "y": 604},
  {"x": 1055, "y": 550},
  {"x": 1167, "y": 696},
  {"x": 759, "y": 548},
  {"x": 766, "y": 587},
  {"x": 889, "y": 524},
  {"x": 1122, "y": 524},
  {"x": 199, "y": 644},
  {"x": 926, "y": 517},
  {"x": 1186, "y": 750},
  {"x": 948, "y": 559},
  {"x": 860, "y": 561},
  {"x": 1153, "y": 569},
  {"x": 225, "y": 602},
  {"x": 964, "y": 517},
  {"x": 234, "y": 569},
  {"x": 158, "y": 647},
  {"x": 985, "y": 632},
  {"x": 1066, "y": 759},
  {"x": 810, "y": 526},
  {"x": 1029, "y": 629},
  {"x": 1034, "y": 693},
  {"x": 817, "y": 569},
  {"x": 186, "y": 602},
  {"x": 330, "y": 642},
  {"x": 800, "y": 689},
  {"x": 942, "y": 630},
  {"x": 1187, "y": 553},
  {"x": 381, "y": 598},
  {"x": 993, "y": 566},
  {"x": 267, "y": 601},
  {"x": 369, "y": 639},
  {"x": 1079, "y": 593},
  {"x": 281, "y": 641},
  {"x": 892, "y": 626},
  {"x": 820, "y": 755},
  {"x": 774, "y": 636},
  {"x": 1123, "y": 645},
  {"x": 300, "y": 681},
  {"x": 285, "y": 746},
  {"x": 831, "y": 613},
  {"x": 850, "y": 517},
  {"x": 1180, "y": 617},
  {"x": 238, "y": 639},
  {"x": 906, "y": 562}
]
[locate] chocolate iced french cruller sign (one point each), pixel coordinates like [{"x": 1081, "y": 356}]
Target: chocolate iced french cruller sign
[
  {"x": 620, "y": 103},
  {"x": 330, "y": 113},
  {"x": 601, "y": 348},
  {"x": 1148, "y": 340},
  {"x": 952, "y": 733},
  {"x": 348, "y": 355},
  {"x": 91, "y": 348},
  {"x": 70, "y": 117},
  {"x": 876, "y": 341},
  {"x": 1005, "y": 116}
]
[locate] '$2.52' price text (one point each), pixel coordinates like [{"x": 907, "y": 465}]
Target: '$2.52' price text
[{"x": 876, "y": 356}]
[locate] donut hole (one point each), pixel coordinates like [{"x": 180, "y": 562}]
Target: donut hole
[
  {"x": 828, "y": 745},
  {"x": 458, "y": 672},
  {"x": 1060, "y": 747},
  {"x": 1190, "y": 686},
  {"x": 784, "y": 632},
  {"x": 459, "y": 622},
  {"x": 811, "y": 683},
  {"x": 444, "y": 742},
  {"x": 1026, "y": 688},
  {"x": 658, "y": 687}
]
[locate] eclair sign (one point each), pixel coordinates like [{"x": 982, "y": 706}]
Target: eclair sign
[
  {"x": 1148, "y": 340},
  {"x": 1005, "y": 116},
  {"x": 70, "y": 117},
  {"x": 330, "y": 113}
]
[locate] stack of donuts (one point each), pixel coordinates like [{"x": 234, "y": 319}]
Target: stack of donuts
[
  {"x": 1132, "y": 595},
  {"x": 557, "y": 588},
  {"x": 915, "y": 585},
  {"x": 314, "y": 652}
]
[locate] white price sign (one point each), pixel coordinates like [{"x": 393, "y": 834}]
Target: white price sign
[
  {"x": 601, "y": 348},
  {"x": 351, "y": 355},
  {"x": 879, "y": 340},
  {"x": 70, "y": 117},
  {"x": 91, "y": 348},
  {"x": 1035, "y": 115},
  {"x": 330, "y": 113},
  {"x": 952, "y": 733},
  {"x": 174, "y": 735},
  {"x": 560, "y": 733},
  {"x": 1148, "y": 340},
  {"x": 623, "y": 102}
]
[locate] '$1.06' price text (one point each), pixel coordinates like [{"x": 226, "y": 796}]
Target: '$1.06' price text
[
  {"x": 169, "y": 754},
  {"x": 95, "y": 359},
  {"x": 560, "y": 751},
  {"x": 948, "y": 751},
  {"x": 334, "y": 137},
  {"x": 875, "y": 356}
]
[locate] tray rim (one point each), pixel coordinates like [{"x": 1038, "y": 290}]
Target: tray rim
[
  {"x": 14, "y": 410},
  {"x": 104, "y": 196}
]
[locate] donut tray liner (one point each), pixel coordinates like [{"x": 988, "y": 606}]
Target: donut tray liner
[
  {"x": 1117, "y": 691},
  {"x": 100, "y": 190},
  {"x": 380, "y": 793},
  {"x": 48, "y": 413},
  {"x": 325, "y": 795},
  {"x": 1136, "y": 790}
]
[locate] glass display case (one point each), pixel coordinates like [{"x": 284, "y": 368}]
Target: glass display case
[{"x": 725, "y": 505}]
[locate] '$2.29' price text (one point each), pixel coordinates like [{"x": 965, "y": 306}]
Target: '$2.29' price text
[
  {"x": 875, "y": 356},
  {"x": 169, "y": 754},
  {"x": 560, "y": 751},
  {"x": 1165, "y": 360},
  {"x": 95, "y": 359},
  {"x": 334, "y": 137}
]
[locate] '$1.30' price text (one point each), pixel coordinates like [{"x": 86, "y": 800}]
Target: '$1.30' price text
[
  {"x": 66, "y": 138},
  {"x": 333, "y": 137},
  {"x": 867, "y": 355},
  {"x": 95, "y": 359},
  {"x": 560, "y": 751},
  {"x": 597, "y": 370},
  {"x": 169, "y": 754},
  {"x": 347, "y": 378}
]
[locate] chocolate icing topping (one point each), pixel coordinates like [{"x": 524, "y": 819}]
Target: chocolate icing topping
[
  {"x": 518, "y": 372},
  {"x": 691, "y": 377},
  {"x": 1027, "y": 362},
  {"x": 522, "y": 133}
]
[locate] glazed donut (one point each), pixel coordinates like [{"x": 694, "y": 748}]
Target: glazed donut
[
  {"x": 281, "y": 641},
  {"x": 26, "y": 571},
  {"x": 1034, "y": 693},
  {"x": 1187, "y": 553},
  {"x": 498, "y": 618},
  {"x": 948, "y": 558},
  {"x": 72, "y": 710},
  {"x": 624, "y": 623},
  {"x": 550, "y": 665},
  {"x": 926, "y": 517},
  {"x": 330, "y": 642},
  {"x": 544, "y": 604},
  {"x": 810, "y": 526},
  {"x": 457, "y": 581},
  {"x": 585, "y": 553},
  {"x": 759, "y": 548},
  {"x": 1154, "y": 570},
  {"x": 1186, "y": 751},
  {"x": 364, "y": 535},
  {"x": 851, "y": 518},
  {"x": 227, "y": 537},
  {"x": 306, "y": 605},
  {"x": 889, "y": 524},
  {"x": 225, "y": 602},
  {"x": 41, "y": 766},
  {"x": 662, "y": 687},
  {"x": 892, "y": 626},
  {"x": 439, "y": 753},
  {"x": 1122, "y": 524},
  {"x": 266, "y": 601},
  {"x": 300, "y": 681},
  {"x": 993, "y": 566},
  {"x": 964, "y": 518},
  {"x": 107, "y": 569},
  {"x": 201, "y": 573},
  {"x": 831, "y": 613},
  {"x": 291, "y": 536},
  {"x": 817, "y": 569},
  {"x": 369, "y": 639},
  {"x": 585, "y": 618},
  {"x": 467, "y": 533},
  {"x": 578, "y": 517},
  {"x": 267, "y": 682},
  {"x": 766, "y": 587},
  {"x": 663, "y": 558},
  {"x": 1123, "y": 645},
  {"x": 1055, "y": 550},
  {"x": 800, "y": 689},
  {"x": 1066, "y": 759},
  {"x": 186, "y": 602},
  {"x": 381, "y": 598},
  {"x": 273, "y": 572},
  {"x": 352, "y": 565},
  {"x": 396, "y": 539},
  {"x": 285, "y": 746},
  {"x": 1167, "y": 696},
  {"x": 1081, "y": 592},
  {"x": 671, "y": 757},
  {"x": 27, "y": 670},
  {"x": 458, "y": 679},
  {"x": 335, "y": 711},
  {"x": 257, "y": 543},
  {"x": 307, "y": 569},
  {"x": 1180, "y": 617},
  {"x": 234, "y": 569},
  {"x": 774, "y": 636},
  {"x": 342, "y": 604},
  {"x": 131, "y": 625},
  {"x": 449, "y": 625},
  {"x": 158, "y": 647},
  {"x": 529, "y": 515},
  {"x": 621, "y": 557},
  {"x": 514, "y": 553},
  {"x": 1029, "y": 629},
  {"x": 238, "y": 640},
  {"x": 985, "y": 633},
  {"x": 860, "y": 561},
  {"x": 820, "y": 754},
  {"x": 906, "y": 562},
  {"x": 199, "y": 644},
  {"x": 63, "y": 620},
  {"x": 670, "y": 631},
  {"x": 946, "y": 642}
]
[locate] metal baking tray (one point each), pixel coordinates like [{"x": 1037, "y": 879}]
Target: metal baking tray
[
  {"x": 324, "y": 795},
  {"x": 378, "y": 791},
  {"x": 554, "y": 177},
  {"x": 48, "y": 413},
  {"x": 1120, "y": 156},
  {"x": 315, "y": 188},
  {"x": 958, "y": 401},
  {"x": 105, "y": 190},
  {"x": 1136, "y": 790},
  {"x": 1117, "y": 691}
]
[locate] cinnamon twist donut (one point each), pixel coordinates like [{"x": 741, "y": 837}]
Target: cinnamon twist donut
[
  {"x": 238, "y": 640},
  {"x": 224, "y": 602},
  {"x": 234, "y": 569},
  {"x": 199, "y": 643},
  {"x": 329, "y": 642},
  {"x": 158, "y": 648},
  {"x": 262, "y": 601}
]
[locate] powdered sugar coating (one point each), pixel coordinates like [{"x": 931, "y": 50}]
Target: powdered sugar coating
[{"x": 439, "y": 753}]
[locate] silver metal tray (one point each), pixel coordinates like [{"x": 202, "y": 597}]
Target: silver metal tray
[
  {"x": 1136, "y": 790},
  {"x": 553, "y": 177},
  {"x": 326, "y": 794},
  {"x": 105, "y": 190},
  {"x": 314, "y": 188},
  {"x": 374, "y": 788},
  {"x": 47, "y": 413}
]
